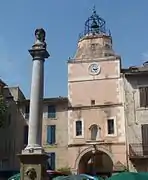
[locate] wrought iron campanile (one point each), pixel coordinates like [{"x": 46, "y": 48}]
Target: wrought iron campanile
[{"x": 95, "y": 25}]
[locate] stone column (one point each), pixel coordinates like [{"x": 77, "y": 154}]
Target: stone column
[
  {"x": 38, "y": 53},
  {"x": 33, "y": 159}
]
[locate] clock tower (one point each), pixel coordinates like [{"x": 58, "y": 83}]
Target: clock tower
[{"x": 95, "y": 112}]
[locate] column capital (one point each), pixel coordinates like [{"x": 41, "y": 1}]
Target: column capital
[{"x": 40, "y": 53}]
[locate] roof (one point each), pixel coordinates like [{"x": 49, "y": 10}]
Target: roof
[
  {"x": 53, "y": 100},
  {"x": 3, "y": 83},
  {"x": 136, "y": 70}
]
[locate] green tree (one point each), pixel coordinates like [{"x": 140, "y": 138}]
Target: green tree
[
  {"x": 3, "y": 111},
  {"x": 66, "y": 170}
]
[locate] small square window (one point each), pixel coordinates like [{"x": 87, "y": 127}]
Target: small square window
[{"x": 92, "y": 102}]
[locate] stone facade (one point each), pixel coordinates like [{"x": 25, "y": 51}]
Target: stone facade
[
  {"x": 105, "y": 90},
  {"x": 11, "y": 143},
  {"x": 59, "y": 147},
  {"x": 136, "y": 116}
]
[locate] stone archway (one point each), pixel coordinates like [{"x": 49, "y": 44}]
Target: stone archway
[{"x": 95, "y": 162}]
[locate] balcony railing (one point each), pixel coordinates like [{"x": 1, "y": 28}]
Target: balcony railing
[{"x": 138, "y": 150}]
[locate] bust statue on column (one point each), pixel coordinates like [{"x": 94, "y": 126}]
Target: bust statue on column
[{"x": 40, "y": 35}]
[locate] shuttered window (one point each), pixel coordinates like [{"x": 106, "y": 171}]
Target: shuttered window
[
  {"x": 144, "y": 133},
  {"x": 51, "y": 161},
  {"x": 51, "y": 111},
  {"x": 143, "y": 91},
  {"x": 51, "y": 134}
]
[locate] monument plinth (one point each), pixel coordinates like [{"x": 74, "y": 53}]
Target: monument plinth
[{"x": 33, "y": 158}]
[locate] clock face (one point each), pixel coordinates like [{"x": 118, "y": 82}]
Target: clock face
[{"x": 94, "y": 69}]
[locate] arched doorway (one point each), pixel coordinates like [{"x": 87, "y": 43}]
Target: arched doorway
[{"x": 95, "y": 163}]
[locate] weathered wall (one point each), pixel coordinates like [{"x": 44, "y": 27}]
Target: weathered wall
[
  {"x": 134, "y": 114},
  {"x": 11, "y": 135},
  {"x": 60, "y": 147}
]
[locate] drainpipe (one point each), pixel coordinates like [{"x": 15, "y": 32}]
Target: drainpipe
[
  {"x": 135, "y": 118},
  {"x": 126, "y": 125}
]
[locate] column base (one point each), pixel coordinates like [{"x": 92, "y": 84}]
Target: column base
[{"x": 33, "y": 166}]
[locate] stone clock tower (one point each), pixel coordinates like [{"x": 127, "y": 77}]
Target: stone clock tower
[{"x": 96, "y": 134}]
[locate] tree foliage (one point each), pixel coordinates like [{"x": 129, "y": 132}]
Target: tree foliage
[
  {"x": 3, "y": 111},
  {"x": 66, "y": 170}
]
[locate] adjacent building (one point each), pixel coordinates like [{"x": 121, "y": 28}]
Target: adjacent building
[
  {"x": 136, "y": 114},
  {"x": 54, "y": 129},
  {"x": 11, "y": 133}
]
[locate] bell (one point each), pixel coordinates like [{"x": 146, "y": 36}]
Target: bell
[{"x": 94, "y": 25}]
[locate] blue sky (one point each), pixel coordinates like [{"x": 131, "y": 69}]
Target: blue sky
[{"x": 63, "y": 20}]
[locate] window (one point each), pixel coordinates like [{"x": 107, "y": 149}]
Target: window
[
  {"x": 110, "y": 126},
  {"x": 51, "y": 111},
  {"x": 144, "y": 134},
  {"x": 93, "y": 46},
  {"x": 95, "y": 131},
  {"x": 25, "y": 135},
  {"x": 143, "y": 91},
  {"x": 107, "y": 46},
  {"x": 92, "y": 102},
  {"x": 27, "y": 112},
  {"x": 51, "y": 161},
  {"x": 51, "y": 134},
  {"x": 78, "y": 128}
]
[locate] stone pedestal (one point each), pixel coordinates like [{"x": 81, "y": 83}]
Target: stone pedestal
[{"x": 33, "y": 166}]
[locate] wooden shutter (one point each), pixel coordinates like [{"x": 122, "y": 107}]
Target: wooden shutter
[
  {"x": 143, "y": 96},
  {"x": 146, "y": 94},
  {"x": 49, "y": 140},
  {"x": 53, "y": 133},
  {"x": 51, "y": 161},
  {"x": 144, "y": 129}
]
